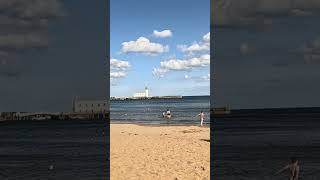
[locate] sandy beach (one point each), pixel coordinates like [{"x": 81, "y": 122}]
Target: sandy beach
[{"x": 159, "y": 152}]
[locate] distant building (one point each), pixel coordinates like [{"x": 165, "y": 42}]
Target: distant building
[
  {"x": 90, "y": 106},
  {"x": 142, "y": 94}
]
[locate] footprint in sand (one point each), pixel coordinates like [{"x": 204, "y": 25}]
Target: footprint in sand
[
  {"x": 163, "y": 134},
  {"x": 132, "y": 134}
]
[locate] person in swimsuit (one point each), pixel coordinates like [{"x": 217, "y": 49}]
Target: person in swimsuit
[
  {"x": 201, "y": 115},
  {"x": 293, "y": 169},
  {"x": 167, "y": 114}
]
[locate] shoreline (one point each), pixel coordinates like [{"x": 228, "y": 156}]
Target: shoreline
[{"x": 161, "y": 125}]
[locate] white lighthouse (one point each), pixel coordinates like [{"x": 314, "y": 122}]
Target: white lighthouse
[
  {"x": 146, "y": 91},
  {"x": 144, "y": 94}
]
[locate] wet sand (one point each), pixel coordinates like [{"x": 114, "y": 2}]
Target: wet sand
[{"x": 159, "y": 152}]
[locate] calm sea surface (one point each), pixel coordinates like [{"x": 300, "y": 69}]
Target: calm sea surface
[
  {"x": 254, "y": 144},
  {"x": 184, "y": 111},
  {"x": 76, "y": 149}
]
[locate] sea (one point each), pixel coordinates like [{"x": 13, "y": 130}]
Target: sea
[
  {"x": 149, "y": 111},
  {"x": 54, "y": 149},
  {"x": 246, "y": 145},
  {"x": 253, "y": 144}
]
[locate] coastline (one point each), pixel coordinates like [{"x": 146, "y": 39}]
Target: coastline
[
  {"x": 160, "y": 152},
  {"x": 162, "y": 124}
]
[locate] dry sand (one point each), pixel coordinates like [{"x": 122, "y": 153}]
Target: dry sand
[{"x": 159, "y": 152}]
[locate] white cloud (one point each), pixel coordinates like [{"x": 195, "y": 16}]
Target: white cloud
[
  {"x": 198, "y": 78},
  {"x": 206, "y": 77},
  {"x": 119, "y": 69},
  {"x": 311, "y": 50},
  {"x": 119, "y": 74},
  {"x": 119, "y": 64},
  {"x": 299, "y": 12},
  {"x": 307, "y": 5},
  {"x": 181, "y": 65},
  {"x": 206, "y": 37},
  {"x": 162, "y": 34},
  {"x": 232, "y": 13},
  {"x": 194, "y": 47},
  {"x": 143, "y": 45},
  {"x": 201, "y": 46},
  {"x": 159, "y": 72},
  {"x": 312, "y": 46}
]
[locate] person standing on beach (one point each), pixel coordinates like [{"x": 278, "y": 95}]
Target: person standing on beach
[
  {"x": 293, "y": 168},
  {"x": 201, "y": 115}
]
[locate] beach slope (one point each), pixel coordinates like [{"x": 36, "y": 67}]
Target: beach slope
[{"x": 159, "y": 152}]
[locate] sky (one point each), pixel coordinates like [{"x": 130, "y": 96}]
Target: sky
[
  {"x": 50, "y": 52},
  {"x": 266, "y": 53},
  {"x": 163, "y": 45}
]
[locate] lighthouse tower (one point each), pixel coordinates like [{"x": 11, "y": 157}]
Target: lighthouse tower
[{"x": 146, "y": 91}]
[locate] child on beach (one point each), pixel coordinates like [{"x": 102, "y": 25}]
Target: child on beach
[
  {"x": 293, "y": 169},
  {"x": 201, "y": 115}
]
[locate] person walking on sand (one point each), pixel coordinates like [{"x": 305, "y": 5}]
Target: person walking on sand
[
  {"x": 201, "y": 115},
  {"x": 293, "y": 168}
]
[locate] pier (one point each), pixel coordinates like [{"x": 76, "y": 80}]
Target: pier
[{"x": 12, "y": 116}]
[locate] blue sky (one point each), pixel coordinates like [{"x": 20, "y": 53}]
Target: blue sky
[
  {"x": 266, "y": 53},
  {"x": 180, "y": 44},
  {"x": 50, "y": 52}
]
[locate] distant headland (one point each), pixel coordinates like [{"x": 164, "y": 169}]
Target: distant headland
[{"x": 144, "y": 95}]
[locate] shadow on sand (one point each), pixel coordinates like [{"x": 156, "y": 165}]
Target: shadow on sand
[{"x": 207, "y": 140}]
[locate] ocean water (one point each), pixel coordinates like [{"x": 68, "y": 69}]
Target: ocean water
[
  {"x": 76, "y": 149},
  {"x": 254, "y": 144},
  {"x": 184, "y": 110}
]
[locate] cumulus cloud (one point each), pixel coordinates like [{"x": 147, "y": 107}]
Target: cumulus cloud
[
  {"x": 162, "y": 34},
  {"x": 201, "y": 46},
  {"x": 306, "y": 5},
  {"x": 119, "y": 64},
  {"x": 30, "y": 11},
  {"x": 119, "y": 74},
  {"x": 159, "y": 72},
  {"x": 181, "y": 65},
  {"x": 206, "y": 77},
  {"x": 24, "y": 31},
  {"x": 143, "y": 45},
  {"x": 311, "y": 50},
  {"x": 194, "y": 47},
  {"x": 230, "y": 12},
  {"x": 176, "y": 64},
  {"x": 118, "y": 69},
  {"x": 197, "y": 78},
  {"x": 233, "y": 13},
  {"x": 206, "y": 37},
  {"x": 23, "y": 41}
]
